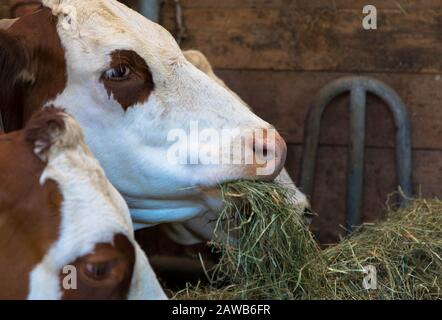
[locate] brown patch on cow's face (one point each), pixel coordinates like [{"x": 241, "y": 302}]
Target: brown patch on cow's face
[
  {"x": 40, "y": 67},
  {"x": 105, "y": 274},
  {"x": 29, "y": 214},
  {"x": 128, "y": 78}
]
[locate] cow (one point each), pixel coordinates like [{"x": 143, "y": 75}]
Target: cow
[
  {"x": 196, "y": 230},
  {"x": 65, "y": 232},
  {"x": 129, "y": 85}
]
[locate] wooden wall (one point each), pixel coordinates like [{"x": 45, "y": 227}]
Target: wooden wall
[
  {"x": 4, "y": 9},
  {"x": 277, "y": 54}
]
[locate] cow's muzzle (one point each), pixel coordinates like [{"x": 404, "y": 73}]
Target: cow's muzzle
[{"x": 270, "y": 152}]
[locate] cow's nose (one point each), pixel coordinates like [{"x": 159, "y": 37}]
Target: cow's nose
[{"x": 270, "y": 151}]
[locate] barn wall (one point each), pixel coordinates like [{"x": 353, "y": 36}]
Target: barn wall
[
  {"x": 4, "y": 10},
  {"x": 277, "y": 54}
]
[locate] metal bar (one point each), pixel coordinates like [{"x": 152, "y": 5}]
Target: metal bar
[
  {"x": 403, "y": 136},
  {"x": 359, "y": 86},
  {"x": 181, "y": 33},
  {"x": 355, "y": 175},
  {"x": 150, "y": 9},
  {"x": 313, "y": 130}
]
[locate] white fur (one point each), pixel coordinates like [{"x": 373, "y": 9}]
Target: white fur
[{"x": 92, "y": 212}]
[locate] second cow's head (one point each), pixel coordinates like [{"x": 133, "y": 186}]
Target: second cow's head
[{"x": 140, "y": 102}]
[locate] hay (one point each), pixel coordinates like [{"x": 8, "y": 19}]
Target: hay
[
  {"x": 406, "y": 250},
  {"x": 276, "y": 257}
]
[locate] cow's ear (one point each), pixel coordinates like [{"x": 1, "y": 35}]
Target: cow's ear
[
  {"x": 199, "y": 60},
  {"x": 7, "y": 23},
  {"x": 44, "y": 130}
]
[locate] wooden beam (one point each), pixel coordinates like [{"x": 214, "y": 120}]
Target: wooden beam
[
  {"x": 284, "y": 98},
  {"x": 314, "y": 35}
]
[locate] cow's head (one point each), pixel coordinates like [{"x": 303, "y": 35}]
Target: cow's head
[
  {"x": 198, "y": 229},
  {"x": 140, "y": 103},
  {"x": 65, "y": 232}
]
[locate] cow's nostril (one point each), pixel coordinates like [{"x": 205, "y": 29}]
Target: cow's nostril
[
  {"x": 260, "y": 147},
  {"x": 264, "y": 151},
  {"x": 267, "y": 156}
]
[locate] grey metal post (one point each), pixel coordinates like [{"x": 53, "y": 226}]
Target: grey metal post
[
  {"x": 150, "y": 9},
  {"x": 355, "y": 175}
]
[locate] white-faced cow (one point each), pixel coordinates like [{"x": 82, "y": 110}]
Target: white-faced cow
[
  {"x": 65, "y": 232},
  {"x": 202, "y": 227},
  {"x": 128, "y": 84}
]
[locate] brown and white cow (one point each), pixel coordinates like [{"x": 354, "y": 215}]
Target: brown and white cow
[
  {"x": 60, "y": 217},
  {"x": 128, "y": 84}
]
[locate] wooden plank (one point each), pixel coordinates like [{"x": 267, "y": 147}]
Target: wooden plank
[
  {"x": 336, "y": 4},
  {"x": 380, "y": 181},
  {"x": 4, "y": 11},
  {"x": 317, "y": 37},
  {"x": 284, "y": 98}
]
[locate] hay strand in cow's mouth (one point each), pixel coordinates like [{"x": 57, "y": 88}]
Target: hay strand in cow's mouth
[{"x": 270, "y": 254}]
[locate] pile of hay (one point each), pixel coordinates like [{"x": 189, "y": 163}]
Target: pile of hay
[{"x": 271, "y": 254}]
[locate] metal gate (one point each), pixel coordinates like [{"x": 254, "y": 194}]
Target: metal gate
[{"x": 358, "y": 87}]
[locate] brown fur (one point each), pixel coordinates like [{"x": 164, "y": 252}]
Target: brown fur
[
  {"x": 19, "y": 8},
  {"x": 137, "y": 87},
  {"x": 32, "y": 47},
  {"x": 12, "y": 63},
  {"x": 29, "y": 213}
]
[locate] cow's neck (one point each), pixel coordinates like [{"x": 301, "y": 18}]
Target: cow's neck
[{"x": 44, "y": 75}]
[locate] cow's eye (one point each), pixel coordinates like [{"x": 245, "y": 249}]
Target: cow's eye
[
  {"x": 99, "y": 271},
  {"x": 118, "y": 73}
]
